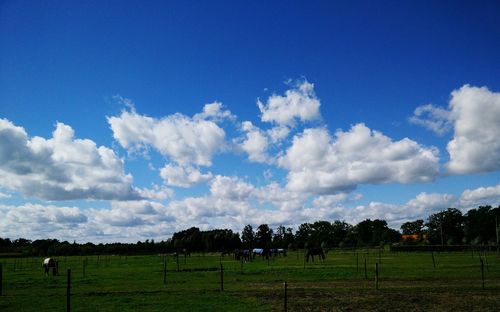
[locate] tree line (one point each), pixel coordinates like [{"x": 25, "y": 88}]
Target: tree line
[{"x": 449, "y": 227}]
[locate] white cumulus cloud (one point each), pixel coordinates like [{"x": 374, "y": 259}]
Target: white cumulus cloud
[
  {"x": 320, "y": 164},
  {"x": 183, "y": 176},
  {"x": 489, "y": 195},
  {"x": 60, "y": 168},
  {"x": 475, "y": 146},
  {"x": 299, "y": 103},
  {"x": 183, "y": 139}
]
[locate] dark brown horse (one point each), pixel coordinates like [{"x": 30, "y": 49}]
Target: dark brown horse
[
  {"x": 242, "y": 254},
  {"x": 311, "y": 252}
]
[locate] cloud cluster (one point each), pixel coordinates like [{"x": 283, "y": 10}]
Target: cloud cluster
[
  {"x": 62, "y": 167},
  {"x": 322, "y": 169},
  {"x": 320, "y": 164},
  {"x": 475, "y": 146},
  {"x": 481, "y": 196},
  {"x": 182, "y": 139},
  {"x": 474, "y": 115},
  {"x": 255, "y": 143},
  {"x": 183, "y": 176},
  {"x": 299, "y": 103},
  {"x": 41, "y": 221},
  {"x": 231, "y": 203}
]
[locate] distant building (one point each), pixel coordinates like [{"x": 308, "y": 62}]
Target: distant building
[{"x": 414, "y": 237}]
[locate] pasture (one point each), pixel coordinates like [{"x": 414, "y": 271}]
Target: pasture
[{"x": 407, "y": 282}]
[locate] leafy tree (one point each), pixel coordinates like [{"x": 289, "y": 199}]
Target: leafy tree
[
  {"x": 375, "y": 232},
  {"x": 279, "y": 237},
  {"x": 322, "y": 234},
  {"x": 479, "y": 225},
  {"x": 264, "y": 236},
  {"x": 446, "y": 227},
  {"x": 303, "y": 234},
  {"x": 340, "y": 229},
  {"x": 288, "y": 238},
  {"x": 413, "y": 227},
  {"x": 248, "y": 236}
]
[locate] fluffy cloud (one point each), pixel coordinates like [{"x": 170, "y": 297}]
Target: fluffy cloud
[
  {"x": 183, "y": 176},
  {"x": 320, "y": 164},
  {"x": 214, "y": 111},
  {"x": 255, "y": 143},
  {"x": 231, "y": 188},
  {"x": 475, "y": 146},
  {"x": 436, "y": 119},
  {"x": 298, "y": 103},
  {"x": 481, "y": 196},
  {"x": 60, "y": 168},
  {"x": 34, "y": 220},
  {"x": 183, "y": 139}
]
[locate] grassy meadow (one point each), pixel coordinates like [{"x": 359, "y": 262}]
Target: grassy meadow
[{"x": 407, "y": 282}]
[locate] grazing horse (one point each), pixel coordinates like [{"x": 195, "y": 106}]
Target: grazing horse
[
  {"x": 274, "y": 252},
  {"x": 49, "y": 263},
  {"x": 281, "y": 251},
  {"x": 311, "y": 252},
  {"x": 243, "y": 254},
  {"x": 264, "y": 253}
]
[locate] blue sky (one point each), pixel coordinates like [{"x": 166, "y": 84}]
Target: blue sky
[{"x": 367, "y": 110}]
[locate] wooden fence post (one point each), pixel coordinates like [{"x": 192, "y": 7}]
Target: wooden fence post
[
  {"x": 286, "y": 298},
  {"x": 357, "y": 262},
  {"x": 1, "y": 277},
  {"x": 164, "y": 271},
  {"x": 433, "y": 260},
  {"x": 482, "y": 271},
  {"x": 221, "y": 277},
  {"x": 376, "y": 276},
  {"x": 177, "y": 257},
  {"x": 68, "y": 292},
  {"x": 366, "y": 275}
]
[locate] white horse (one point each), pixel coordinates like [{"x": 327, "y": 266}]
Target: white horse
[{"x": 260, "y": 251}]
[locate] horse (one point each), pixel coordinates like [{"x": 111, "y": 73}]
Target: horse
[
  {"x": 49, "y": 263},
  {"x": 242, "y": 254},
  {"x": 311, "y": 252},
  {"x": 264, "y": 253},
  {"x": 281, "y": 251}
]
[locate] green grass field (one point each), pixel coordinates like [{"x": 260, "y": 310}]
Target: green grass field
[{"x": 407, "y": 282}]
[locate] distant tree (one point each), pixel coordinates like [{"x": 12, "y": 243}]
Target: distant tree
[
  {"x": 413, "y": 227},
  {"x": 340, "y": 229},
  {"x": 375, "y": 232},
  {"x": 322, "y": 234},
  {"x": 303, "y": 234},
  {"x": 248, "y": 236},
  {"x": 263, "y": 236},
  {"x": 446, "y": 227},
  {"x": 279, "y": 237},
  {"x": 289, "y": 239},
  {"x": 479, "y": 225}
]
